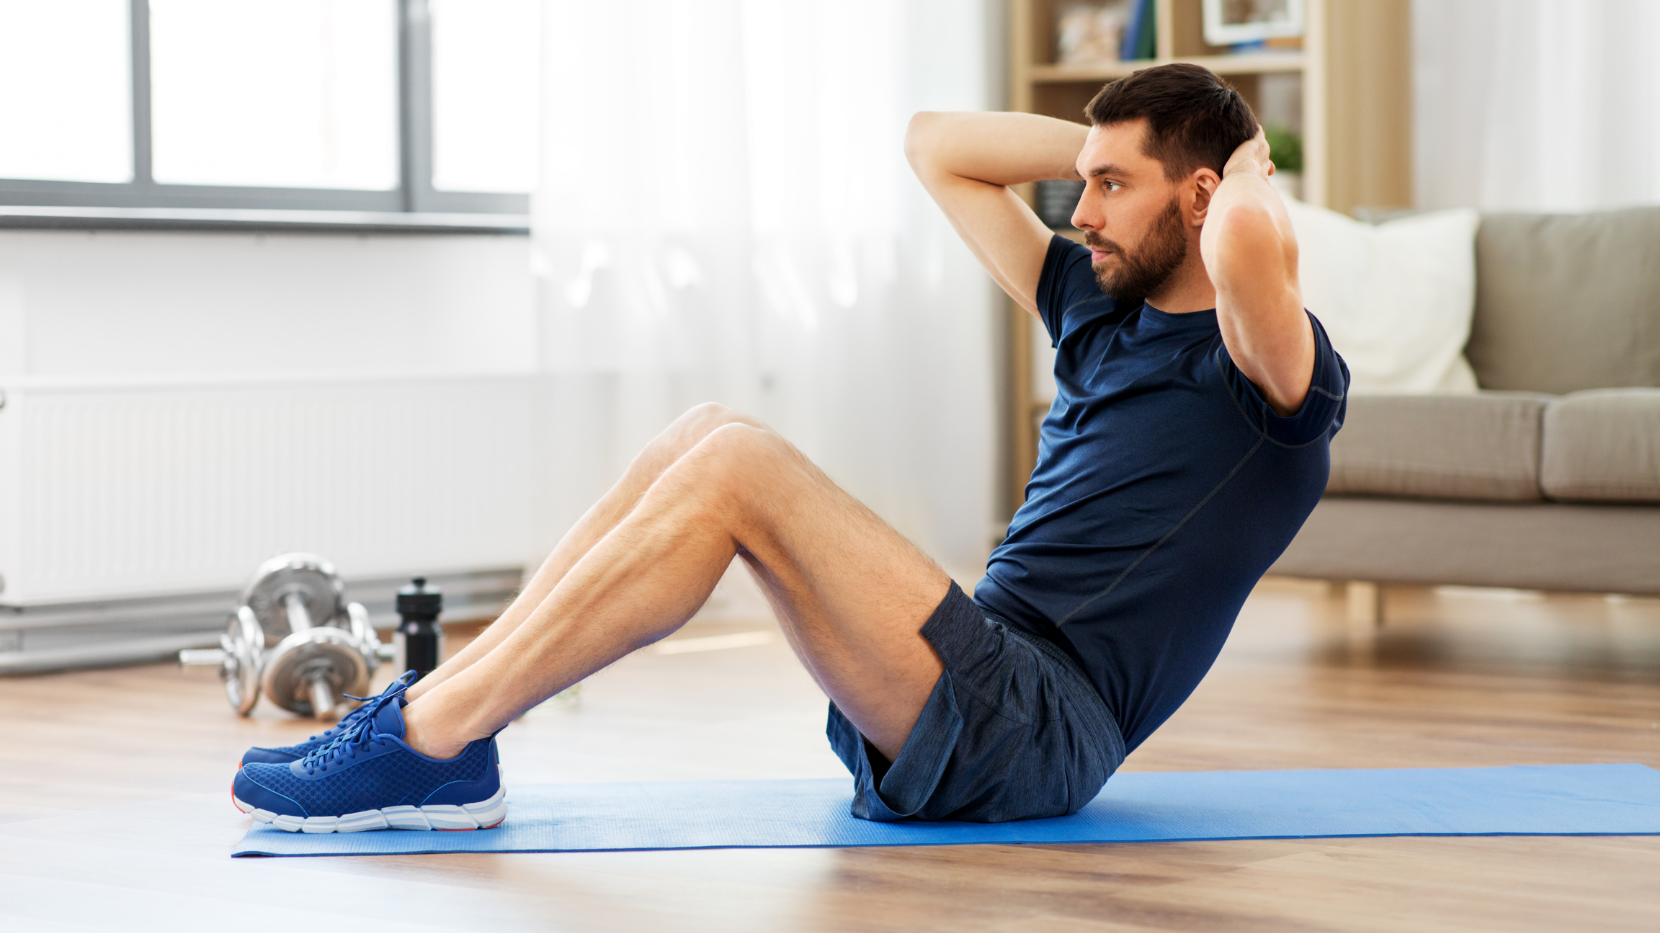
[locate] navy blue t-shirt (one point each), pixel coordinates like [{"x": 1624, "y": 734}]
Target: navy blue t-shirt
[{"x": 1165, "y": 487}]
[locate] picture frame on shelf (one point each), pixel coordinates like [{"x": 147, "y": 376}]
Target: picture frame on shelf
[
  {"x": 1238, "y": 22},
  {"x": 1088, "y": 33}
]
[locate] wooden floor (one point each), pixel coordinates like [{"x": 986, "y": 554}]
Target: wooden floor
[{"x": 114, "y": 811}]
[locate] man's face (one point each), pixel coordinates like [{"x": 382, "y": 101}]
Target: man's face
[{"x": 1130, "y": 213}]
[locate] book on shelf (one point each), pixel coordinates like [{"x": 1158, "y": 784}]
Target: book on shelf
[{"x": 1140, "y": 32}]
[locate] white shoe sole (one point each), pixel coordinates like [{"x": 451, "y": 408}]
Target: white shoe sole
[{"x": 482, "y": 815}]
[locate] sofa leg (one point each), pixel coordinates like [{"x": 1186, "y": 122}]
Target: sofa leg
[{"x": 1365, "y": 604}]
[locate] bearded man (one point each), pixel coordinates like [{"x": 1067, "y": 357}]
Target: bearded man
[{"x": 1185, "y": 447}]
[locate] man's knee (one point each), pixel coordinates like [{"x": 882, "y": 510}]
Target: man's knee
[
  {"x": 709, "y": 417},
  {"x": 720, "y": 476},
  {"x": 741, "y": 443},
  {"x": 736, "y": 458}
]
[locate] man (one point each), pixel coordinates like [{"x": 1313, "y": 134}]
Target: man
[{"x": 1185, "y": 447}]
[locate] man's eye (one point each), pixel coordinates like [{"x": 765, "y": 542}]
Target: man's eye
[{"x": 1111, "y": 185}]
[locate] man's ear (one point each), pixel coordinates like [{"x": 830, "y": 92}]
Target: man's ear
[{"x": 1203, "y": 184}]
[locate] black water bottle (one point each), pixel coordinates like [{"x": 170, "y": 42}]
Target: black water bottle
[{"x": 420, "y": 639}]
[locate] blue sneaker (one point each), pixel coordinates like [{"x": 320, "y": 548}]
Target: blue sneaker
[
  {"x": 371, "y": 779},
  {"x": 284, "y": 755}
]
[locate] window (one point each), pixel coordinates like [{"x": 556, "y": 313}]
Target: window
[
  {"x": 212, "y": 107},
  {"x": 484, "y": 83},
  {"x": 65, "y": 97},
  {"x": 312, "y": 104}
]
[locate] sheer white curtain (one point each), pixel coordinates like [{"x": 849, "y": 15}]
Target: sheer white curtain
[
  {"x": 725, "y": 214},
  {"x": 1537, "y": 105}
]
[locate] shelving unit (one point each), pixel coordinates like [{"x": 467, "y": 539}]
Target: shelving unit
[
  {"x": 1255, "y": 63},
  {"x": 1354, "y": 109}
]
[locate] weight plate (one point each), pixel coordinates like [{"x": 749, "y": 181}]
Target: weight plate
[
  {"x": 244, "y": 645},
  {"x": 313, "y": 579},
  {"x": 326, "y": 652}
]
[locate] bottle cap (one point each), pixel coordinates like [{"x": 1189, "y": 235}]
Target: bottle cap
[{"x": 418, "y": 599}]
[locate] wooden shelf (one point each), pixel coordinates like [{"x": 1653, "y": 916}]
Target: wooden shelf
[{"x": 1251, "y": 63}]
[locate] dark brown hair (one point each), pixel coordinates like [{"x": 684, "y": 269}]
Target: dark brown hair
[{"x": 1194, "y": 119}]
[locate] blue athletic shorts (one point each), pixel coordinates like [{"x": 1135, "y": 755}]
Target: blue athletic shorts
[{"x": 1012, "y": 731}]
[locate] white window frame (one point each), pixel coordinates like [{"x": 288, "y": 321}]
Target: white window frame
[{"x": 414, "y": 205}]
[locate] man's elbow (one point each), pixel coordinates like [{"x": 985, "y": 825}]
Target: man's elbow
[
  {"x": 1248, "y": 242},
  {"x": 1244, "y": 222}
]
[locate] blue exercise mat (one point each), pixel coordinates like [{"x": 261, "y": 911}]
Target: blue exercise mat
[{"x": 1620, "y": 799}]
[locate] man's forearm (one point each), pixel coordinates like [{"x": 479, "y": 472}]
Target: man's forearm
[
  {"x": 968, "y": 160},
  {"x": 995, "y": 148}
]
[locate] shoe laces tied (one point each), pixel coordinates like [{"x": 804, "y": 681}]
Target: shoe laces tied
[
  {"x": 340, "y": 728},
  {"x": 357, "y": 738},
  {"x": 346, "y": 721}
]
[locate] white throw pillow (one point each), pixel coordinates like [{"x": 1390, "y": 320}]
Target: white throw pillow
[{"x": 1395, "y": 298}]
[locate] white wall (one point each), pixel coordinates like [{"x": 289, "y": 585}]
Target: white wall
[
  {"x": 75, "y": 303},
  {"x": 130, "y": 310}
]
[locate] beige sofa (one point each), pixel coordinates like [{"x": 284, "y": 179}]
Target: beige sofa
[{"x": 1548, "y": 478}]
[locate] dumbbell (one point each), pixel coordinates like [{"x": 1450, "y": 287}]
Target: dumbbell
[
  {"x": 239, "y": 656},
  {"x": 324, "y": 647},
  {"x": 295, "y": 638}
]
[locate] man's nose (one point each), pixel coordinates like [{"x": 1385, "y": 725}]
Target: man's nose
[{"x": 1084, "y": 216}]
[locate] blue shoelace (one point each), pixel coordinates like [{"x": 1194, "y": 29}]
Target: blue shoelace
[
  {"x": 360, "y": 736},
  {"x": 345, "y": 724},
  {"x": 347, "y": 721}
]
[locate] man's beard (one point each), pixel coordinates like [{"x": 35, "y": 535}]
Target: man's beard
[{"x": 1140, "y": 273}]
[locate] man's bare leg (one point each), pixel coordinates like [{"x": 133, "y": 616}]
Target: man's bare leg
[
  {"x": 852, "y": 594},
  {"x": 612, "y": 508}
]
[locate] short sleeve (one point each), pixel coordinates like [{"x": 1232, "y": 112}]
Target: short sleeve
[
  {"x": 1321, "y": 413},
  {"x": 1067, "y": 284}
]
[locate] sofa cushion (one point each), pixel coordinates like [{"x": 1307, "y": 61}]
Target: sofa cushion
[
  {"x": 1395, "y": 299},
  {"x": 1602, "y": 447},
  {"x": 1483, "y": 446},
  {"x": 1566, "y": 302}
]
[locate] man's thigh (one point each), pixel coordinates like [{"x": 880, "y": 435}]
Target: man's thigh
[{"x": 851, "y": 592}]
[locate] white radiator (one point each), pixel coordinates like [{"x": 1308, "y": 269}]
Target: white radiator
[{"x": 120, "y": 490}]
